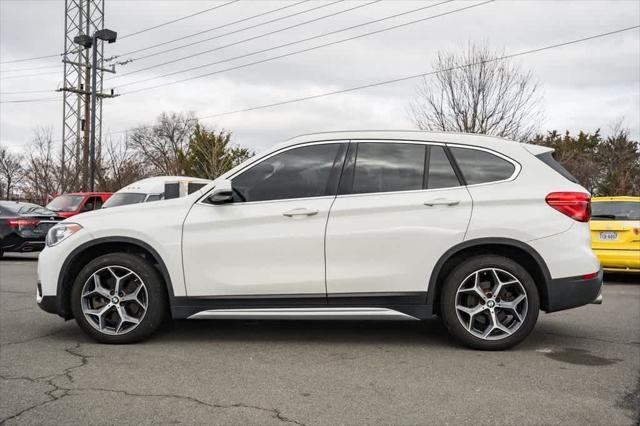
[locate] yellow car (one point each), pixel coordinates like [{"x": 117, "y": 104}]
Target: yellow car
[{"x": 615, "y": 232}]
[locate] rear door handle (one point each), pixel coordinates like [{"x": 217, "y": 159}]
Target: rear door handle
[
  {"x": 441, "y": 202},
  {"x": 300, "y": 212}
]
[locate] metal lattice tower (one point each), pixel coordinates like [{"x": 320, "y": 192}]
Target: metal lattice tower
[{"x": 81, "y": 17}]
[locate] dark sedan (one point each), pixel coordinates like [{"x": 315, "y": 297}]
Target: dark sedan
[{"x": 24, "y": 226}]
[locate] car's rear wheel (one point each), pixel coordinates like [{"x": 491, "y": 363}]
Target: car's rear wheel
[
  {"x": 119, "y": 298},
  {"x": 489, "y": 302}
]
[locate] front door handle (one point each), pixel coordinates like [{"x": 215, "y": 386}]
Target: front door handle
[
  {"x": 300, "y": 212},
  {"x": 441, "y": 202}
]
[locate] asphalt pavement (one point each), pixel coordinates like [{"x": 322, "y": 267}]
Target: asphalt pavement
[{"x": 580, "y": 366}]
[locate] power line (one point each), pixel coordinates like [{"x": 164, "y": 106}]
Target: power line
[
  {"x": 31, "y": 69},
  {"x": 283, "y": 45},
  {"x": 20, "y": 101},
  {"x": 30, "y": 59},
  {"x": 211, "y": 29},
  {"x": 20, "y": 92},
  {"x": 245, "y": 29},
  {"x": 11, "y": 77},
  {"x": 128, "y": 35},
  {"x": 411, "y": 77},
  {"x": 179, "y": 19},
  {"x": 302, "y": 50},
  {"x": 250, "y": 38}
]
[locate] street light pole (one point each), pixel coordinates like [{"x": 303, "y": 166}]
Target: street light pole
[
  {"x": 94, "y": 95},
  {"x": 87, "y": 41}
]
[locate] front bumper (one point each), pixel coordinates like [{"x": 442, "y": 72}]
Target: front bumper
[
  {"x": 566, "y": 293},
  {"x": 46, "y": 303}
]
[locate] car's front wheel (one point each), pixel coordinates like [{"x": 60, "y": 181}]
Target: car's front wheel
[
  {"x": 119, "y": 298},
  {"x": 489, "y": 302}
]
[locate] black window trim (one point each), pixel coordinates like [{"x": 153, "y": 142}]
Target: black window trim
[
  {"x": 337, "y": 168},
  {"x": 516, "y": 171},
  {"x": 345, "y": 188}
]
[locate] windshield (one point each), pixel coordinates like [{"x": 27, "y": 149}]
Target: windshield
[
  {"x": 615, "y": 210},
  {"x": 65, "y": 203},
  {"x": 123, "y": 199}
]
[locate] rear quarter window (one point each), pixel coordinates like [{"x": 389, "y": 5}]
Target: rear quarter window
[
  {"x": 547, "y": 158},
  {"x": 480, "y": 166}
]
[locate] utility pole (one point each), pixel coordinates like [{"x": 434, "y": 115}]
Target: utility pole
[{"x": 82, "y": 17}]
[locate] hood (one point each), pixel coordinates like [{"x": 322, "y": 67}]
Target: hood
[{"x": 130, "y": 211}]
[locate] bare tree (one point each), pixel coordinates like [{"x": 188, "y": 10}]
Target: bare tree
[
  {"x": 160, "y": 145},
  {"x": 473, "y": 92},
  {"x": 11, "y": 172},
  {"x": 118, "y": 166},
  {"x": 43, "y": 167}
]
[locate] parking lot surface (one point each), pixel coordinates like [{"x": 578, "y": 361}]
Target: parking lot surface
[{"x": 578, "y": 367}]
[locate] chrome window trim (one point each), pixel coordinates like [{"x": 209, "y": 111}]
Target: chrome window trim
[
  {"x": 280, "y": 151},
  {"x": 516, "y": 172}
]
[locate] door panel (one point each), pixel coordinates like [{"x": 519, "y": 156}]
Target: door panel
[
  {"x": 391, "y": 242},
  {"x": 270, "y": 240},
  {"x": 255, "y": 249}
]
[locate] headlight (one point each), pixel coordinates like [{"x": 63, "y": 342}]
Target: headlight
[{"x": 61, "y": 232}]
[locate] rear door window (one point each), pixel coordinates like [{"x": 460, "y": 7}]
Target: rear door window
[
  {"x": 388, "y": 167},
  {"x": 480, "y": 166},
  {"x": 441, "y": 173}
]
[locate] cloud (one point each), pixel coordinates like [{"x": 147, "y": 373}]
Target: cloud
[{"x": 586, "y": 86}]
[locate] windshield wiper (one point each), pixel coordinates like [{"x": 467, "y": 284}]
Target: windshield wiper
[{"x": 604, "y": 216}]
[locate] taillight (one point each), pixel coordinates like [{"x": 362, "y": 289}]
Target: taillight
[
  {"x": 576, "y": 205},
  {"x": 22, "y": 223}
]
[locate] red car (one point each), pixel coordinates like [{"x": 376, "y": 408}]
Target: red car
[{"x": 72, "y": 203}]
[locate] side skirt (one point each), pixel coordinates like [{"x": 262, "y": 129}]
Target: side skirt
[
  {"x": 313, "y": 306},
  {"x": 305, "y": 314}
]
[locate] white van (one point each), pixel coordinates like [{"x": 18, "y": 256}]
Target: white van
[{"x": 154, "y": 189}]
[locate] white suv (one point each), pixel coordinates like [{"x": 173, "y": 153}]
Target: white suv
[{"x": 480, "y": 231}]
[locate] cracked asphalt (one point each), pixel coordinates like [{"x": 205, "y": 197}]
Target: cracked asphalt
[{"x": 578, "y": 367}]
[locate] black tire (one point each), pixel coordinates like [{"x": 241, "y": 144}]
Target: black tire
[
  {"x": 157, "y": 304},
  {"x": 455, "y": 279}
]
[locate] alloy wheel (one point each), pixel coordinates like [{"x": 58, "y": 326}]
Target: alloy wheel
[
  {"x": 114, "y": 300},
  {"x": 491, "y": 304}
]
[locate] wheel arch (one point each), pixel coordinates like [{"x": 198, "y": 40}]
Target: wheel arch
[
  {"x": 516, "y": 250},
  {"x": 88, "y": 251}
]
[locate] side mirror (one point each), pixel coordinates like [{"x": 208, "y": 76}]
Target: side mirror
[{"x": 222, "y": 193}]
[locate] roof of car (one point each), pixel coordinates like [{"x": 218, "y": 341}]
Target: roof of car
[
  {"x": 471, "y": 139},
  {"x": 87, "y": 193},
  {"x": 155, "y": 185},
  {"x": 474, "y": 139}
]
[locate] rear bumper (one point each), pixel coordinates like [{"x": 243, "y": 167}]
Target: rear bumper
[
  {"x": 567, "y": 293},
  {"x": 619, "y": 260},
  {"x": 18, "y": 244}
]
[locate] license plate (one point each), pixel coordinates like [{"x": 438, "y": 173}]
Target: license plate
[{"x": 608, "y": 236}]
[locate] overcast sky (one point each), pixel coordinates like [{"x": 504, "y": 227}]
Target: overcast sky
[{"x": 586, "y": 86}]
